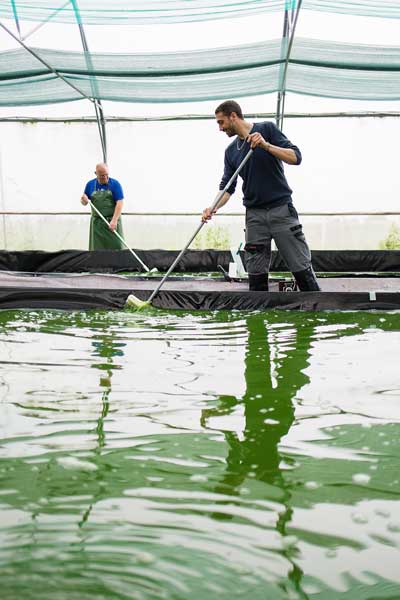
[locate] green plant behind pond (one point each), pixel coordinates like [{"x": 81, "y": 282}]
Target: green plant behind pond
[
  {"x": 216, "y": 237},
  {"x": 392, "y": 240}
]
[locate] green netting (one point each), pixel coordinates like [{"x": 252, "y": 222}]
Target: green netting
[
  {"x": 108, "y": 12},
  {"x": 389, "y": 9},
  {"x": 318, "y": 68}
]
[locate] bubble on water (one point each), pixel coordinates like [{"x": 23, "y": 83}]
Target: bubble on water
[
  {"x": 145, "y": 558},
  {"x": 271, "y": 422},
  {"x": 382, "y": 319},
  {"x": 394, "y": 526},
  {"x": 311, "y": 485},
  {"x": 366, "y": 425},
  {"x": 361, "y": 478},
  {"x": 289, "y": 541},
  {"x": 244, "y": 491},
  {"x": 70, "y": 462},
  {"x": 293, "y": 595},
  {"x": 360, "y": 518},
  {"x": 258, "y": 395},
  {"x": 198, "y": 478},
  {"x": 311, "y": 589},
  {"x": 241, "y": 569}
]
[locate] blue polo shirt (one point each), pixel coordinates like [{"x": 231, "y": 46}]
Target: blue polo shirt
[{"x": 113, "y": 185}]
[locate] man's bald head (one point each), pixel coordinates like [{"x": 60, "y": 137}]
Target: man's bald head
[{"x": 102, "y": 173}]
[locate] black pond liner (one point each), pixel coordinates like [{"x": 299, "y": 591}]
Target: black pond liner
[
  {"x": 108, "y": 291},
  {"x": 193, "y": 261},
  {"x": 76, "y": 280}
]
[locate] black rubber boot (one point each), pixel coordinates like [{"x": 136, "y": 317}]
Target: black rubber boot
[
  {"x": 258, "y": 283},
  {"x": 306, "y": 280}
]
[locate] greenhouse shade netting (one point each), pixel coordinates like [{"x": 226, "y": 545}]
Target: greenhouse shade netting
[
  {"x": 317, "y": 68},
  {"x": 109, "y": 12}
]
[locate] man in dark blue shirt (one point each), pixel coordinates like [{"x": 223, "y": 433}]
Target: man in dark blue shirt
[{"x": 270, "y": 213}]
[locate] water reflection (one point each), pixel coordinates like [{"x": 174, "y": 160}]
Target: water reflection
[
  {"x": 274, "y": 372},
  {"x": 271, "y": 384},
  {"x": 105, "y": 347}
]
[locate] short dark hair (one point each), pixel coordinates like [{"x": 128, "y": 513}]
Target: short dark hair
[{"x": 228, "y": 107}]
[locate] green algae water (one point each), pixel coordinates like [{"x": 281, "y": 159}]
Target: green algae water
[{"x": 199, "y": 456}]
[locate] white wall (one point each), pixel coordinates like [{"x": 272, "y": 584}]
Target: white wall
[
  {"x": 349, "y": 164},
  {"x": 172, "y": 232}
]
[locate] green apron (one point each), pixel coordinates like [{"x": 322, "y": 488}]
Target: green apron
[{"x": 100, "y": 236}]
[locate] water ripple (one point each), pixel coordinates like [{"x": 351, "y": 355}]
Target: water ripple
[{"x": 171, "y": 455}]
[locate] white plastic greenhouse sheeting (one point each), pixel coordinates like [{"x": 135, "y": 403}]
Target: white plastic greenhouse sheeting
[
  {"x": 171, "y": 233},
  {"x": 176, "y": 167}
]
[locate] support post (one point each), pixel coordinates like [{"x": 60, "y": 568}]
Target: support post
[
  {"x": 3, "y": 203},
  {"x": 289, "y": 29},
  {"x": 101, "y": 124}
]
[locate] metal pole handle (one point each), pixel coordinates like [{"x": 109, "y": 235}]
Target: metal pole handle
[
  {"x": 214, "y": 205},
  {"x": 119, "y": 237}
]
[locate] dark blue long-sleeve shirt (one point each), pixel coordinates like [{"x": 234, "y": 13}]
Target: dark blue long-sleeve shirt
[{"x": 264, "y": 181}]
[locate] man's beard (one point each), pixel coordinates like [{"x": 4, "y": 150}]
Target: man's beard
[{"x": 230, "y": 132}]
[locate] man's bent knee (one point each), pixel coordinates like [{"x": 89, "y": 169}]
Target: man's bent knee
[{"x": 257, "y": 258}]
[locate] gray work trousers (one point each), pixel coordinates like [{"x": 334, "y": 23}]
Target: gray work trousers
[{"x": 281, "y": 224}]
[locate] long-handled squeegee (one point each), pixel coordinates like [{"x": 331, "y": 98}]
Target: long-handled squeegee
[
  {"x": 145, "y": 267},
  {"x": 135, "y": 302}
]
